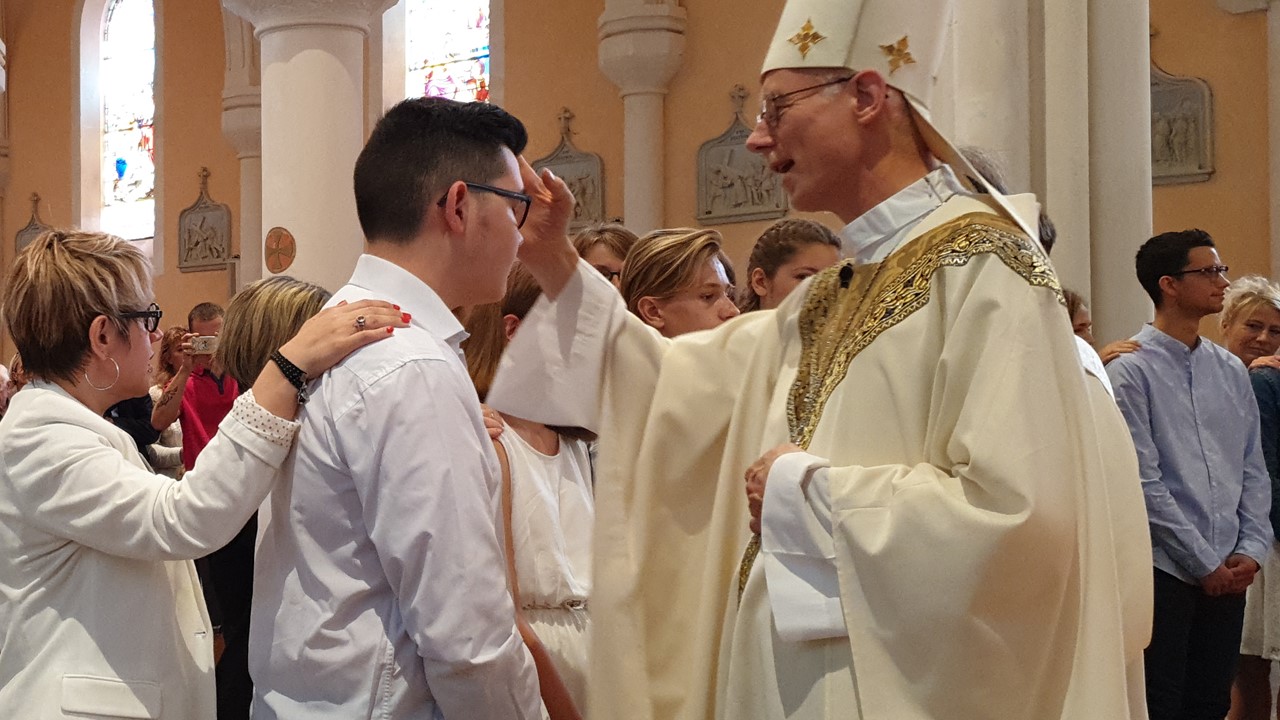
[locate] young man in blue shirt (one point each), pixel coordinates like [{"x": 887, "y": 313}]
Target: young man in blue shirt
[{"x": 1190, "y": 408}]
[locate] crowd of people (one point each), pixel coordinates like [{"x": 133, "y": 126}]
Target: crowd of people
[{"x": 882, "y": 473}]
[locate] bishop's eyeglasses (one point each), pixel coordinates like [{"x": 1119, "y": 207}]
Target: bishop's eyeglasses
[{"x": 771, "y": 110}]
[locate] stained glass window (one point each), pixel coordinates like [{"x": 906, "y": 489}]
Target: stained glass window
[
  {"x": 447, "y": 47},
  {"x": 127, "y": 81}
]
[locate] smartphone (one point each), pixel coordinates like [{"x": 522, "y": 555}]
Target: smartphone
[{"x": 204, "y": 345}]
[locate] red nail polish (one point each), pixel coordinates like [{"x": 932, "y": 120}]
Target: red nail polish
[
  {"x": 404, "y": 317},
  {"x": 390, "y": 329},
  {"x": 396, "y": 307}
]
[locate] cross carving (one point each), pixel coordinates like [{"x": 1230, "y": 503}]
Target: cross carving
[
  {"x": 565, "y": 117},
  {"x": 738, "y": 96}
]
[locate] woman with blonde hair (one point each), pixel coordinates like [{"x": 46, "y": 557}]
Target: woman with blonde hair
[
  {"x": 261, "y": 317},
  {"x": 548, "y": 503},
  {"x": 100, "y": 610},
  {"x": 675, "y": 281},
  {"x": 786, "y": 253},
  {"x": 605, "y": 248},
  {"x": 1250, "y": 320}
]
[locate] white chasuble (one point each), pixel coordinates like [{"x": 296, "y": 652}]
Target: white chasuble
[{"x": 989, "y": 536}]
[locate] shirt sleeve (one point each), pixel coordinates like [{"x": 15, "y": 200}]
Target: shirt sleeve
[
  {"x": 798, "y": 549},
  {"x": 1266, "y": 390},
  {"x": 1256, "y": 534},
  {"x": 1170, "y": 528},
  {"x": 429, "y": 507},
  {"x": 72, "y": 483},
  {"x": 555, "y": 367}
]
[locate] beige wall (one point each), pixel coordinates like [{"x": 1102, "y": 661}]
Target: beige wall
[
  {"x": 551, "y": 61},
  {"x": 190, "y": 45},
  {"x": 1196, "y": 38}
]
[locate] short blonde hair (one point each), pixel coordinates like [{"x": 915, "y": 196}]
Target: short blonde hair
[
  {"x": 261, "y": 318},
  {"x": 58, "y": 285},
  {"x": 1245, "y": 295},
  {"x": 613, "y": 236},
  {"x": 664, "y": 262}
]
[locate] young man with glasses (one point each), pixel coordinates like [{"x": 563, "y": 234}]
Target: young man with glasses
[
  {"x": 950, "y": 542},
  {"x": 1191, "y": 410},
  {"x": 381, "y": 588}
]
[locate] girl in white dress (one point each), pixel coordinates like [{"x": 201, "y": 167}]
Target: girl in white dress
[{"x": 547, "y": 500}]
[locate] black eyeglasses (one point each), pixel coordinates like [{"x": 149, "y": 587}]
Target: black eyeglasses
[
  {"x": 607, "y": 273},
  {"x": 521, "y": 214},
  {"x": 771, "y": 111},
  {"x": 150, "y": 317},
  {"x": 1204, "y": 271}
]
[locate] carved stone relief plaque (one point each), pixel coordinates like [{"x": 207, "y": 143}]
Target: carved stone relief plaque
[
  {"x": 582, "y": 171},
  {"x": 734, "y": 184},
  {"x": 204, "y": 232},
  {"x": 1181, "y": 129},
  {"x": 34, "y": 226}
]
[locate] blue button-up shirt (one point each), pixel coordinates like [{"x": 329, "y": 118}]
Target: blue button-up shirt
[{"x": 1195, "y": 425}]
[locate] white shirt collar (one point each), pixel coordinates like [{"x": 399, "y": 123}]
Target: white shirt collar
[
  {"x": 877, "y": 232},
  {"x": 385, "y": 279}
]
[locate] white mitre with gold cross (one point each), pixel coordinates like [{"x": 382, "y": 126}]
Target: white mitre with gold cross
[{"x": 903, "y": 40}]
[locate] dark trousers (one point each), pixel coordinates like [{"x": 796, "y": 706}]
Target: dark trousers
[
  {"x": 1195, "y": 641},
  {"x": 232, "y": 579}
]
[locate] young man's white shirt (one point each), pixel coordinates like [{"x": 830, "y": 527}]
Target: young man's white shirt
[{"x": 380, "y": 587}]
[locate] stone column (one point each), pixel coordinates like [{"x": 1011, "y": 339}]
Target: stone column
[
  {"x": 313, "y": 119},
  {"x": 242, "y": 126},
  {"x": 1059, "y": 93},
  {"x": 982, "y": 94},
  {"x": 1119, "y": 162},
  {"x": 641, "y": 47}
]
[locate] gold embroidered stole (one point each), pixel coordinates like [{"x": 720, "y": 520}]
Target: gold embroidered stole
[{"x": 840, "y": 319}]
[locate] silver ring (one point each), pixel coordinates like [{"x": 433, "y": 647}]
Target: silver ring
[{"x": 360, "y": 322}]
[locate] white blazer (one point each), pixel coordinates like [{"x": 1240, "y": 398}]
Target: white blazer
[{"x": 100, "y": 609}]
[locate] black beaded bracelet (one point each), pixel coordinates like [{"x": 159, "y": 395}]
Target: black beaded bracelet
[{"x": 293, "y": 374}]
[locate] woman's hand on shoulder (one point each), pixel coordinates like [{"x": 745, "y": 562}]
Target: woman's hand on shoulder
[
  {"x": 1270, "y": 361},
  {"x": 1116, "y": 349},
  {"x": 336, "y": 332}
]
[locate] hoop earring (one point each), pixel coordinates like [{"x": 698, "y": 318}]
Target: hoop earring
[{"x": 113, "y": 380}]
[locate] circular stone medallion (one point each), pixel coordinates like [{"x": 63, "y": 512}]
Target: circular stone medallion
[{"x": 279, "y": 249}]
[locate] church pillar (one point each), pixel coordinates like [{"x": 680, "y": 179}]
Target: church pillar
[
  {"x": 983, "y": 88},
  {"x": 242, "y": 126},
  {"x": 1119, "y": 162},
  {"x": 1060, "y": 134},
  {"x": 641, "y": 48},
  {"x": 312, "y": 57}
]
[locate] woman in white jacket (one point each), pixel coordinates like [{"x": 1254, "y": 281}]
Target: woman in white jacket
[{"x": 100, "y": 610}]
